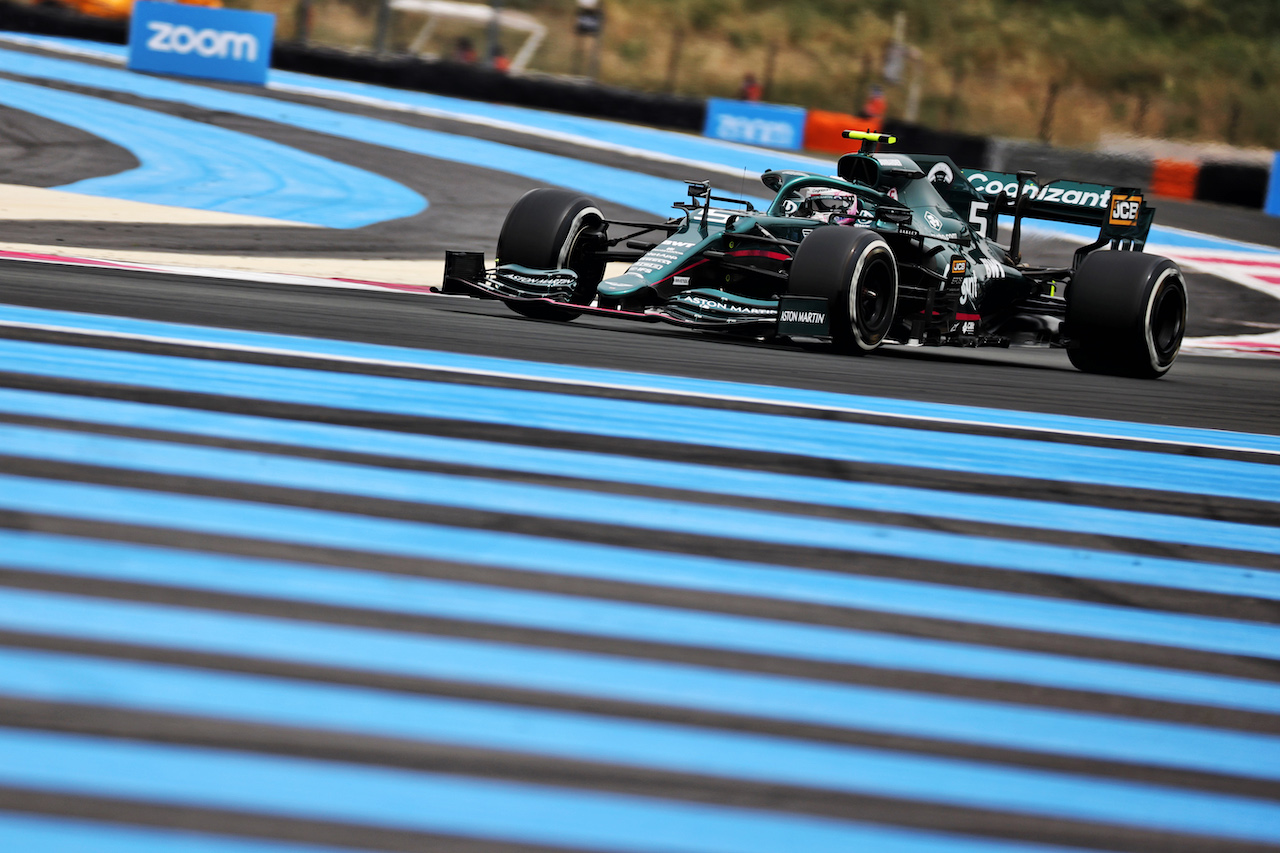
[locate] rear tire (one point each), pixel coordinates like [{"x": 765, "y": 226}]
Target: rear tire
[
  {"x": 549, "y": 229},
  {"x": 1126, "y": 314},
  {"x": 855, "y": 270}
]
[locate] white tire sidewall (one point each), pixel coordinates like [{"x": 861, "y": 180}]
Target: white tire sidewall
[
  {"x": 872, "y": 250},
  {"x": 1153, "y": 355}
]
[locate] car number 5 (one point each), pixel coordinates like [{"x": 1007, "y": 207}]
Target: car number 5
[{"x": 977, "y": 217}]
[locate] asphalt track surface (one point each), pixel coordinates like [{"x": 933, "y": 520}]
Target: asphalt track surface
[{"x": 298, "y": 568}]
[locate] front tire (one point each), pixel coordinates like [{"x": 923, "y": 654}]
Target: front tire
[
  {"x": 1126, "y": 314},
  {"x": 549, "y": 229},
  {"x": 855, "y": 270}
]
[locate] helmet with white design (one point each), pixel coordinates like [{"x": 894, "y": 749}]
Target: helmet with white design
[{"x": 828, "y": 204}]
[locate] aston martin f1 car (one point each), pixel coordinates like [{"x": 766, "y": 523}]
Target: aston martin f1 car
[{"x": 892, "y": 249}]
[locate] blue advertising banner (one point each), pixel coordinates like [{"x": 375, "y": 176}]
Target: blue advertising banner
[
  {"x": 1273, "y": 188},
  {"x": 193, "y": 41},
  {"x": 770, "y": 125}
]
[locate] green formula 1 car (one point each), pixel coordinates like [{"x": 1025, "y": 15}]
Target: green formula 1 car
[{"x": 893, "y": 249}]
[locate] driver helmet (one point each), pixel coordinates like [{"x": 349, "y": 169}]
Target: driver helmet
[{"x": 828, "y": 204}]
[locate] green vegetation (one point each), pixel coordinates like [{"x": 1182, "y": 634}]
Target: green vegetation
[{"x": 1064, "y": 70}]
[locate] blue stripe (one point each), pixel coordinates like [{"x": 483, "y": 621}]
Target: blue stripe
[
  {"x": 691, "y": 149},
  {"x": 433, "y": 802},
  {"x": 25, "y": 833},
  {"x": 552, "y": 502},
  {"x": 739, "y": 482},
  {"x": 516, "y": 551},
  {"x": 687, "y": 146},
  {"x": 190, "y": 164},
  {"x": 637, "y": 420},
  {"x": 46, "y": 677},
  {"x": 646, "y": 623},
  {"x": 633, "y": 189},
  {"x": 698, "y": 388},
  {"x": 881, "y": 710}
]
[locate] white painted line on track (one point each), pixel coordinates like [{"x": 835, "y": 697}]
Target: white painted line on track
[
  {"x": 62, "y": 46},
  {"x": 1238, "y": 346},
  {"x": 514, "y": 127},
  {"x": 1254, "y": 271},
  {"x": 263, "y": 271},
  {"x": 231, "y": 340},
  {"x": 1260, "y": 272},
  {"x": 1235, "y": 345}
]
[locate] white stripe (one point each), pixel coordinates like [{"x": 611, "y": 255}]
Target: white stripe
[{"x": 637, "y": 385}]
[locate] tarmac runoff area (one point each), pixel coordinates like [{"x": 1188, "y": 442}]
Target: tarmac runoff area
[
  {"x": 33, "y": 204},
  {"x": 22, "y": 203}
]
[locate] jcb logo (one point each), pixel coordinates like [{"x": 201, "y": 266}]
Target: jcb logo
[
  {"x": 1124, "y": 209},
  {"x": 219, "y": 44},
  {"x": 959, "y": 266}
]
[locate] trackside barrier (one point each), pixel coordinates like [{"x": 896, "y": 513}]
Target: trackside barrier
[
  {"x": 1174, "y": 178},
  {"x": 1273, "y": 188},
  {"x": 193, "y": 41},
  {"x": 478, "y": 82},
  {"x": 1244, "y": 184},
  {"x": 754, "y": 123},
  {"x": 1051, "y": 163},
  {"x": 822, "y": 133},
  {"x": 51, "y": 20},
  {"x": 822, "y": 130},
  {"x": 969, "y": 152}
]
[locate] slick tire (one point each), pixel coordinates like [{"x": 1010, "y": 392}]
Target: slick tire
[
  {"x": 855, "y": 270},
  {"x": 554, "y": 229},
  {"x": 1126, "y": 314}
]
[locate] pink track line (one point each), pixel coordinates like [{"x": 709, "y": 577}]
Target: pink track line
[
  {"x": 121, "y": 265},
  {"x": 1240, "y": 262},
  {"x": 88, "y": 262},
  {"x": 1250, "y": 346},
  {"x": 412, "y": 288}
]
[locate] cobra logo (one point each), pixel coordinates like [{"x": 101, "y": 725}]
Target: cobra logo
[{"x": 211, "y": 44}]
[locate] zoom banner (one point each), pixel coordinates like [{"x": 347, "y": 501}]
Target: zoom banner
[
  {"x": 192, "y": 41},
  {"x": 770, "y": 125}
]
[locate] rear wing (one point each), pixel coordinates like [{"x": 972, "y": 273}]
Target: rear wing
[
  {"x": 1120, "y": 214},
  {"x": 981, "y": 196}
]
